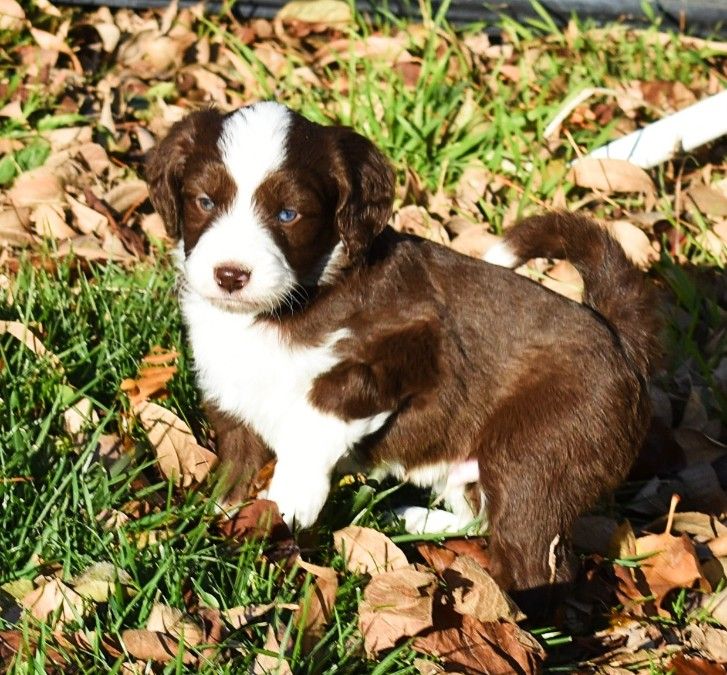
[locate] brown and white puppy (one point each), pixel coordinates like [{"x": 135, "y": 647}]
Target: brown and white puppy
[{"x": 318, "y": 331}]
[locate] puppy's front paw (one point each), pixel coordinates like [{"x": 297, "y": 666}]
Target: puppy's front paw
[{"x": 299, "y": 501}]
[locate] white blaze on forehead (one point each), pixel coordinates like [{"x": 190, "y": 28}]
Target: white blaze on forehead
[{"x": 253, "y": 144}]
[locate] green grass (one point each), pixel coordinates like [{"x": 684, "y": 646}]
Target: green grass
[{"x": 53, "y": 491}]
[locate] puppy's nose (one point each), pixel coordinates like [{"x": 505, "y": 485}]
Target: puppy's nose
[{"x": 231, "y": 278}]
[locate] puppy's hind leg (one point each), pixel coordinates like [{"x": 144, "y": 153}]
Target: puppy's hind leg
[{"x": 546, "y": 455}]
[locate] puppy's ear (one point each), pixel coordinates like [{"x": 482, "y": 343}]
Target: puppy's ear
[
  {"x": 365, "y": 192},
  {"x": 165, "y": 165}
]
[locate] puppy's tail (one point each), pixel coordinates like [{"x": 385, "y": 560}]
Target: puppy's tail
[{"x": 614, "y": 287}]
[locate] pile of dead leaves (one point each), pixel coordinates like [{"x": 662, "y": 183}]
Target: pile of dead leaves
[{"x": 72, "y": 171}]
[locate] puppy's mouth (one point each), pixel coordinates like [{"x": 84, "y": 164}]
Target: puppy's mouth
[{"x": 274, "y": 306}]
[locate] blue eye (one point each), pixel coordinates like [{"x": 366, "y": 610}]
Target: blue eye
[
  {"x": 205, "y": 203},
  {"x": 287, "y": 216}
]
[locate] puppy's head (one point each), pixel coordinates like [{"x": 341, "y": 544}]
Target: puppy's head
[{"x": 263, "y": 200}]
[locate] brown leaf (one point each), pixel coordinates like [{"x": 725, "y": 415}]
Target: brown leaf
[
  {"x": 49, "y": 220},
  {"x": 471, "y": 187},
  {"x": 716, "y": 605},
  {"x": 708, "y": 200},
  {"x": 12, "y": 15},
  {"x": 85, "y": 218},
  {"x": 367, "y": 551},
  {"x": 634, "y": 242},
  {"x": 386, "y": 48},
  {"x": 611, "y": 175},
  {"x": 395, "y": 605},
  {"x": 152, "y": 377},
  {"x": 98, "y": 581},
  {"x": 673, "y": 565},
  {"x": 476, "y": 647},
  {"x": 564, "y": 279},
  {"x": 179, "y": 455},
  {"x": 39, "y": 186},
  {"x": 425, "y": 667},
  {"x": 13, "y": 642},
  {"x": 476, "y": 593},
  {"x": 54, "y": 596},
  {"x": 436, "y": 557},
  {"x": 126, "y": 194},
  {"x": 266, "y": 664},
  {"x": 154, "y": 646},
  {"x": 22, "y": 333},
  {"x": 693, "y": 665},
  {"x": 711, "y": 642},
  {"x": 720, "y": 229},
  {"x": 475, "y": 241},
  {"x": 416, "y": 220},
  {"x": 316, "y": 609},
  {"x": 238, "y": 617},
  {"x": 328, "y": 12},
  {"x": 172, "y": 621},
  {"x": 79, "y": 417},
  {"x": 260, "y": 519},
  {"x": 623, "y": 542},
  {"x": 12, "y": 227},
  {"x": 700, "y": 525}
]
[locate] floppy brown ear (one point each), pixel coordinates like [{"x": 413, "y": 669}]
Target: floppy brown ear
[
  {"x": 365, "y": 192},
  {"x": 166, "y": 161}
]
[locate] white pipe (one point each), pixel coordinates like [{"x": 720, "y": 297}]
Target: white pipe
[{"x": 681, "y": 131}]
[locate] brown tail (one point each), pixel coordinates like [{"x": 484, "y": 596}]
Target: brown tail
[{"x": 614, "y": 287}]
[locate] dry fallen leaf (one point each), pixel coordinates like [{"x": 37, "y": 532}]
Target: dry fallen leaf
[
  {"x": 634, "y": 242},
  {"x": 475, "y": 592},
  {"x": 260, "y": 519},
  {"x": 327, "y": 12},
  {"x": 49, "y": 221},
  {"x": 238, "y": 617},
  {"x": 316, "y": 609},
  {"x": 26, "y": 336},
  {"x": 79, "y": 417},
  {"x": 97, "y": 582},
  {"x": 152, "y": 378},
  {"x": 611, "y": 175},
  {"x": 416, "y": 220},
  {"x": 693, "y": 665},
  {"x": 708, "y": 200},
  {"x": 367, "y": 551},
  {"x": 496, "y": 647},
  {"x": 395, "y": 605},
  {"x": 85, "y": 218},
  {"x": 266, "y": 664},
  {"x": 471, "y": 187},
  {"x": 12, "y": 15},
  {"x": 179, "y": 455},
  {"x": 154, "y": 646},
  {"x": 709, "y": 641},
  {"x": 475, "y": 241},
  {"x": 54, "y": 596},
  {"x": 674, "y": 563},
  {"x": 170, "y": 620}
]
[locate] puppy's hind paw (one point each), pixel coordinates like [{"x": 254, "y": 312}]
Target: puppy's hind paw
[{"x": 420, "y": 520}]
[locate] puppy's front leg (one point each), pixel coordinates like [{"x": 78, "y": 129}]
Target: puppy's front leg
[{"x": 306, "y": 458}]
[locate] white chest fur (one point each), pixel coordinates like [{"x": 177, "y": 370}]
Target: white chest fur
[{"x": 248, "y": 370}]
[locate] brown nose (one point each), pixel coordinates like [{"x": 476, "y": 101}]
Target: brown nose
[{"x": 231, "y": 278}]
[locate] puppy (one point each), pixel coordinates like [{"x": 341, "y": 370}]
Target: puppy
[{"x": 318, "y": 331}]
